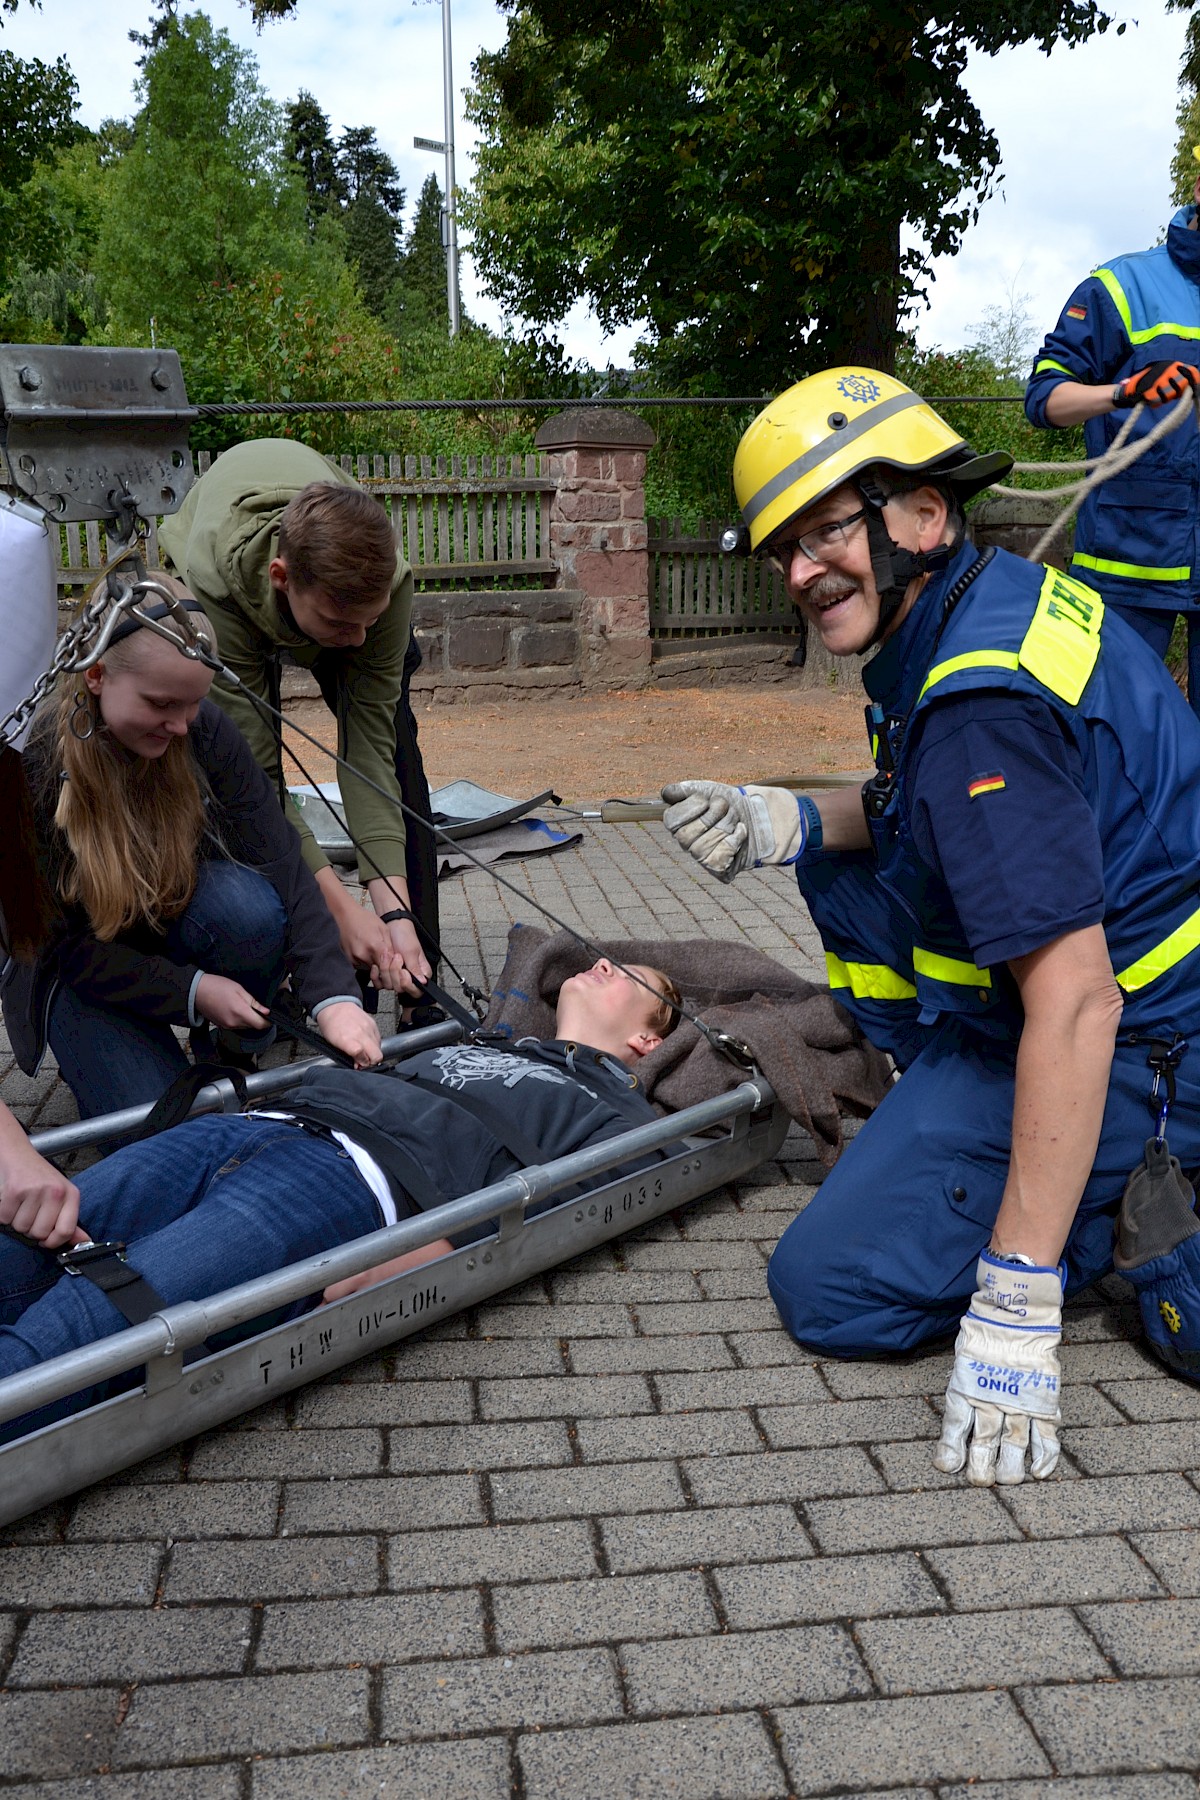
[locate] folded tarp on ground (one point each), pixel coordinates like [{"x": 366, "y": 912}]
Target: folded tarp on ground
[
  {"x": 493, "y": 825},
  {"x": 805, "y": 1045}
]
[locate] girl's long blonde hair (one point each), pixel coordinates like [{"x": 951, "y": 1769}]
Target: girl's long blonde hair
[{"x": 132, "y": 825}]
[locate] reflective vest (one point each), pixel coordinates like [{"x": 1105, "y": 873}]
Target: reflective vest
[
  {"x": 1137, "y": 537},
  {"x": 1033, "y": 630}
]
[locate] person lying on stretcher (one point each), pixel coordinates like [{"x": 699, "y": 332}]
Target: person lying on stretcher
[{"x": 222, "y": 1199}]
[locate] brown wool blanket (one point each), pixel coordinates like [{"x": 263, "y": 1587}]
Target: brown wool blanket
[{"x": 807, "y": 1047}]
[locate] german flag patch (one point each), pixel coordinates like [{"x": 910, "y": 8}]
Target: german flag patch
[
  {"x": 985, "y": 784},
  {"x": 1077, "y": 312}
]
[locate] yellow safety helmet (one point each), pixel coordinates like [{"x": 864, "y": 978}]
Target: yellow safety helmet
[{"x": 827, "y": 429}]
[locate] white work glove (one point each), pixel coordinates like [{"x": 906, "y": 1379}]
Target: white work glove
[
  {"x": 1006, "y": 1382},
  {"x": 728, "y": 829}
]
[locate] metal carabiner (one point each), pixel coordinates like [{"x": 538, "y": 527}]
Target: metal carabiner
[{"x": 1163, "y": 1058}]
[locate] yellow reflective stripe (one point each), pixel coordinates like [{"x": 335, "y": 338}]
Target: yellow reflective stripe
[
  {"x": 1162, "y": 328},
  {"x": 974, "y": 659},
  {"x": 1132, "y": 571},
  {"x": 868, "y": 981},
  {"x": 1063, "y": 641},
  {"x": 1048, "y": 362},
  {"x": 1182, "y": 941},
  {"x": 946, "y": 968}
]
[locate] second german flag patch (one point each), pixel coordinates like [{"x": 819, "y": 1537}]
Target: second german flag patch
[{"x": 986, "y": 784}]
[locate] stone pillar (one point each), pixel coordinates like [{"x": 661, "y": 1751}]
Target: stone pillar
[{"x": 597, "y": 455}]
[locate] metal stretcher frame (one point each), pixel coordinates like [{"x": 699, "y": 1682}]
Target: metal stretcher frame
[{"x": 180, "y": 1398}]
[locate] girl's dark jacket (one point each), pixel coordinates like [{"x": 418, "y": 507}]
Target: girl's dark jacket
[{"x": 131, "y": 974}]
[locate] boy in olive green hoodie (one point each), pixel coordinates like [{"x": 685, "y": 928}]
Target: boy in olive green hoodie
[{"x": 287, "y": 551}]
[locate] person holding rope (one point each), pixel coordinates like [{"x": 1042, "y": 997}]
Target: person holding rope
[
  {"x": 177, "y": 892},
  {"x": 288, "y": 553},
  {"x": 238, "y": 1196},
  {"x": 1010, "y": 906},
  {"x": 1130, "y": 335}
]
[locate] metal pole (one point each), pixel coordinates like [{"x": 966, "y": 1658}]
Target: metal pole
[{"x": 451, "y": 210}]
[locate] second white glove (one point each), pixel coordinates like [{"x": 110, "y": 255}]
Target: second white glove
[
  {"x": 728, "y": 829},
  {"x": 1004, "y": 1394}
]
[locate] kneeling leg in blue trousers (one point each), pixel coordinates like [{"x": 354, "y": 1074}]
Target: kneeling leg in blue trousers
[
  {"x": 883, "y": 1259},
  {"x": 215, "y": 1202}
]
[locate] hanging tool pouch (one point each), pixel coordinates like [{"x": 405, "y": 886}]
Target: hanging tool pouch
[{"x": 1157, "y": 1247}]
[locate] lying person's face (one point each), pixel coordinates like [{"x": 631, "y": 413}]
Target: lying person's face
[{"x": 606, "y": 1007}]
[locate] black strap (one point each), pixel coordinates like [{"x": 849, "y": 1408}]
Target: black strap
[
  {"x": 173, "y": 1107},
  {"x": 104, "y": 1265},
  {"x": 287, "y": 1013},
  {"x": 421, "y": 1189},
  {"x": 453, "y": 1009},
  {"x": 514, "y": 1140}
]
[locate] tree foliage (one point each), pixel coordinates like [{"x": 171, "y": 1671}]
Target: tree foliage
[{"x": 737, "y": 176}]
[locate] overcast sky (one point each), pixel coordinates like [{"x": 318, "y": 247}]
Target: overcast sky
[{"x": 1086, "y": 135}]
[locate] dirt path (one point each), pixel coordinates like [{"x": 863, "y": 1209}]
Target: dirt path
[{"x": 628, "y": 744}]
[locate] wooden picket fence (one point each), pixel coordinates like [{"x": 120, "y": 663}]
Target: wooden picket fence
[
  {"x": 695, "y": 587},
  {"x": 462, "y": 522}
]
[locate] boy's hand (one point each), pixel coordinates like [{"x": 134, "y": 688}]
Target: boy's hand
[{"x": 348, "y": 1028}]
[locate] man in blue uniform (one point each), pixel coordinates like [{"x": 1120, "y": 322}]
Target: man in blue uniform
[
  {"x": 1130, "y": 334},
  {"x": 1011, "y": 907}
]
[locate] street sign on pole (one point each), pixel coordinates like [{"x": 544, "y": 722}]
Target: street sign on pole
[{"x": 429, "y": 144}]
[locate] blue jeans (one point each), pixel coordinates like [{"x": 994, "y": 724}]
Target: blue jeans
[
  {"x": 215, "y": 1202},
  {"x": 235, "y": 925}
]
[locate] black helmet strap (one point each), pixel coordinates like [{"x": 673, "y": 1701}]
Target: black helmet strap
[{"x": 893, "y": 567}]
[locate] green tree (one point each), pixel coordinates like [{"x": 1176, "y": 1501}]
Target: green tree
[
  {"x": 422, "y": 289},
  {"x": 372, "y": 214},
  {"x": 202, "y": 199},
  {"x": 737, "y": 176},
  {"x": 309, "y": 145},
  {"x": 38, "y": 101}
]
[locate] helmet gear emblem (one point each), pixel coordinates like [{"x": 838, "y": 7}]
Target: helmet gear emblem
[
  {"x": 860, "y": 388},
  {"x": 1171, "y": 1316}
]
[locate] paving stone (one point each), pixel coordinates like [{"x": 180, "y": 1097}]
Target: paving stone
[
  {"x": 295, "y": 1454},
  {"x": 206, "y": 1510},
  {"x": 1094, "y": 1787},
  {"x": 501, "y": 1692},
  {"x": 1148, "y": 1637},
  {"x": 779, "y": 1386},
  {"x": 693, "y": 1255},
  {"x": 555, "y": 1322},
  {"x": 8, "y": 1635},
  {"x": 257, "y": 1716},
  {"x": 384, "y": 1403},
  {"x": 923, "y": 1656},
  {"x": 495, "y": 1553},
  {"x": 566, "y": 1396},
  {"x": 165, "y": 1468},
  {"x": 602, "y": 1356},
  {"x": 161, "y": 1784},
  {"x": 1175, "y": 1555},
  {"x": 731, "y": 1226},
  {"x": 1149, "y": 1402},
  {"x": 880, "y": 1380},
  {"x": 700, "y": 1537},
  {"x": 1083, "y": 1404},
  {"x": 42, "y": 1527},
  {"x": 765, "y": 1349},
  {"x": 1063, "y": 1573},
  {"x": 734, "y": 1284},
  {"x": 602, "y": 1609},
  {"x": 744, "y": 1669},
  {"x": 780, "y": 1475},
  {"x": 381, "y": 1629},
  {"x": 471, "y": 1769},
  {"x": 424, "y": 1361},
  {"x": 1142, "y": 1725},
  {"x": 601, "y": 1488},
  {"x": 625, "y": 1287},
  {"x": 57, "y": 1733},
  {"x": 707, "y": 1759},
  {"x": 1110, "y": 1362},
  {"x": 896, "y": 1522},
  {"x": 382, "y": 1503},
  {"x": 272, "y": 1569},
  {"x": 1136, "y": 1449},
  {"x": 841, "y": 1587},
  {"x": 72, "y": 1648},
  {"x": 706, "y": 1316},
  {"x": 513, "y": 1446},
  {"x": 847, "y": 1421},
  {"x": 936, "y": 1738},
  {"x": 675, "y": 1434},
  {"x": 1122, "y": 1503},
  {"x": 71, "y": 1575}
]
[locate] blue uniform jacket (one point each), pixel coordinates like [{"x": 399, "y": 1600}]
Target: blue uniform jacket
[
  {"x": 1137, "y": 539},
  {"x": 1020, "y": 627}
]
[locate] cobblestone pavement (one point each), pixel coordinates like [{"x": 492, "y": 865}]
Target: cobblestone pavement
[{"x": 613, "y": 1534}]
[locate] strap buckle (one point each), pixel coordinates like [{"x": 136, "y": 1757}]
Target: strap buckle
[{"x": 75, "y": 1259}]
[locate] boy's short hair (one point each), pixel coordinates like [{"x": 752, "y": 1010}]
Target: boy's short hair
[
  {"x": 665, "y": 1017},
  {"x": 340, "y": 540}
]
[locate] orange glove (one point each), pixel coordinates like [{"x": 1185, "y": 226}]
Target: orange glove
[{"x": 1156, "y": 384}]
